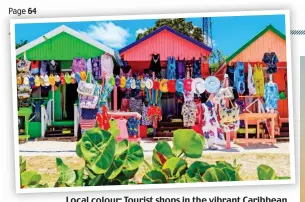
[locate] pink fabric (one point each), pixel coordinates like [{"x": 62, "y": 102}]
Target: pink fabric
[{"x": 123, "y": 128}]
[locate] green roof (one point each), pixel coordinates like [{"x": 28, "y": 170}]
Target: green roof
[{"x": 268, "y": 28}]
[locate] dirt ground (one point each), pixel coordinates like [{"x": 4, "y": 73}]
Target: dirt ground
[{"x": 46, "y": 166}]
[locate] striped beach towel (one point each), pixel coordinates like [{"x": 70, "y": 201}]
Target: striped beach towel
[{"x": 87, "y": 123}]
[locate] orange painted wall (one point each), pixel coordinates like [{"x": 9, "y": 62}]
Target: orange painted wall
[{"x": 266, "y": 43}]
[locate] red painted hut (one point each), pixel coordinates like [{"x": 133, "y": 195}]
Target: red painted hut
[
  {"x": 268, "y": 40},
  {"x": 166, "y": 42}
]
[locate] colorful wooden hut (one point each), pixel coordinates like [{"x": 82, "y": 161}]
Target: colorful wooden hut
[
  {"x": 166, "y": 42},
  {"x": 268, "y": 40}
]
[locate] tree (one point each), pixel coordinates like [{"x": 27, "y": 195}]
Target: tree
[
  {"x": 21, "y": 43},
  {"x": 178, "y": 24},
  {"x": 216, "y": 59}
]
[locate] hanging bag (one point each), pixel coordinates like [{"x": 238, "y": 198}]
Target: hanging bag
[
  {"x": 85, "y": 88},
  {"x": 229, "y": 115}
]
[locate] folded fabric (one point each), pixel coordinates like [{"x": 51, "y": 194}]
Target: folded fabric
[
  {"x": 88, "y": 102},
  {"x": 88, "y": 113},
  {"x": 85, "y": 88}
]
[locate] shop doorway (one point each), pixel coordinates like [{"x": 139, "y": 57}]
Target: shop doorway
[{"x": 71, "y": 98}]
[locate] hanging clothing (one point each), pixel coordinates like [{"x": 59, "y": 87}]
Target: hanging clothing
[
  {"x": 188, "y": 112},
  {"x": 181, "y": 69},
  {"x": 155, "y": 64},
  {"x": 53, "y": 67},
  {"x": 171, "y": 68},
  {"x": 211, "y": 128},
  {"x": 145, "y": 120},
  {"x": 125, "y": 105},
  {"x": 187, "y": 83},
  {"x": 259, "y": 80},
  {"x": 132, "y": 126},
  {"x": 251, "y": 85},
  {"x": 125, "y": 71},
  {"x": 43, "y": 67},
  {"x": 89, "y": 65},
  {"x": 230, "y": 72},
  {"x": 270, "y": 59},
  {"x": 96, "y": 68},
  {"x": 271, "y": 96},
  {"x": 35, "y": 67},
  {"x": 154, "y": 114},
  {"x": 103, "y": 119},
  {"x": 107, "y": 66},
  {"x": 188, "y": 96},
  {"x": 135, "y": 105},
  {"x": 205, "y": 69},
  {"x": 196, "y": 68},
  {"x": 78, "y": 65},
  {"x": 239, "y": 78},
  {"x": 86, "y": 124},
  {"x": 122, "y": 124}
]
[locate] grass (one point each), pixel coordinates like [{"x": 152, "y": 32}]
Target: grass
[{"x": 46, "y": 166}]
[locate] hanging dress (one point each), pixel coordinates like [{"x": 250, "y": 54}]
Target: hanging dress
[
  {"x": 211, "y": 129},
  {"x": 107, "y": 66},
  {"x": 155, "y": 64},
  {"x": 239, "y": 78},
  {"x": 270, "y": 59},
  {"x": 251, "y": 85},
  {"x": 259, "y": 80},
  {"x": 196, "y": 69},
  {"x": 230, "y": 72},
  {"x": 96, "y": 68},
  {"x": 271, "y": 96},
  {"x": 180, "y": 69},
  {"x": 171, "y": 68}
]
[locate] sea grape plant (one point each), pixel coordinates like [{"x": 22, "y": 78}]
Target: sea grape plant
[
  {"x": 28, "y": 178},
  {"x": 169, "y": 164},
  {"x": 107, "y": 162}
]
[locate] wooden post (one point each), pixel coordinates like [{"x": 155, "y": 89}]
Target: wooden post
[
  {"x": 115, "y": 98},
  {"x": 154, "y": 129}
]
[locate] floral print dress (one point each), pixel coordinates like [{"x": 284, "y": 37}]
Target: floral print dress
[{"x": 211, "y": 129}]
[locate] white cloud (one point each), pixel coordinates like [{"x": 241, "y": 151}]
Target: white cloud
[
  {"x": 140, "y": 31},
  {"x": 109, "y": 34}
]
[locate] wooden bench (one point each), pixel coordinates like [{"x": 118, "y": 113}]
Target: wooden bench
[{"x": 246, "y": 117}]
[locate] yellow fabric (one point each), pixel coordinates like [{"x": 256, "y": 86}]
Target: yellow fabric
[
  {"x": 123, "y": 82},
  {"x": 163, "y": 86},
  {"x": 83, "y": 75},
  {"x": 259, "y": 80},
  {"x": 19, "y": 80},
  {"x": 52, "y": 79},
  {"x": 37, "y": 81}
]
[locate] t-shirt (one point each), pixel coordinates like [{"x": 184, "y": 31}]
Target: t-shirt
[
  {"x": 132, "y": 126},
  {"x": 187, "y": 84}
]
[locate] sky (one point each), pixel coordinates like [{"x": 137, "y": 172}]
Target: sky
[{"x": 228, "y": 33}]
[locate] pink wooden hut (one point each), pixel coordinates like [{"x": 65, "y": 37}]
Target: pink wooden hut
[{"x": 166, "y": 42}]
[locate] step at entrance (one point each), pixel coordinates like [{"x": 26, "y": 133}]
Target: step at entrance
[{"x": 60, "y": 129}]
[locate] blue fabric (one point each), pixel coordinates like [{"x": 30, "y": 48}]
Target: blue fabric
[
  {"x": 196, "y": 69},
  {"x": 270, "y": 59},
  {"x": 171, "y": 68},
  {"x": 132, "y": 126},
  {"x": 239, "y": 78},
  {"x": 271, "y": 96},
  {"x": 179, "y": 86}
]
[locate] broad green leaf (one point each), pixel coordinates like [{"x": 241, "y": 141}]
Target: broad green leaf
[
  {"x": 95, "y": 181},
  {"x": 119, "y": 160},
  {"x": 214, "y": 175},
  {"x": 66, "y": 174},
  {"x": 29, "y": 178},
  {"x": 231, "y": 174},
  {"x": 224, "y": 164},
  {"x": 196, "y": 170},
  {"x": 97, "y": 148},
  {"x": 154, "y": 177},
  {"x": 161, "y": 153},
  {"x": 125, "y": 175},
  {"x": 79, "y": 177},
  {"x": 174, "y": 167},
  {"x": 135, "y": 156},
  {"x": 189, "y": 142},
  {"x": 266, "y": 173}
]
